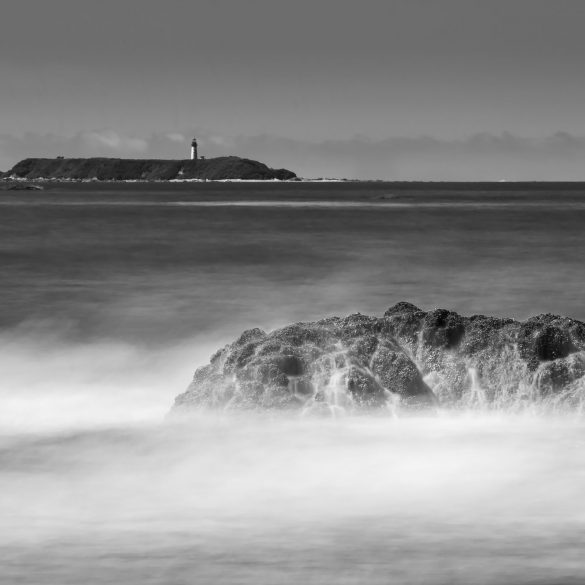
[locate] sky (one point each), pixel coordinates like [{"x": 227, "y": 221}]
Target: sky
[{"x": 390, "y": 89}]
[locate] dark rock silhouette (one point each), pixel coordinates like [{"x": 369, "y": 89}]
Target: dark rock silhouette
[
  {"x": 120, "y": 169},
  {"x": 19, "y": 186},
  {"x": 406, "y": 360}
]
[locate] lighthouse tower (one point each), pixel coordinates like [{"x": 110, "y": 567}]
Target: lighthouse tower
[{"x": 194, "y": 149}]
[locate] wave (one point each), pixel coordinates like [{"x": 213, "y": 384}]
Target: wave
[
  {"x": 51, "y": 383},
  {"x": 292, "y": 204},
  {"x": 298, "y": 501}
]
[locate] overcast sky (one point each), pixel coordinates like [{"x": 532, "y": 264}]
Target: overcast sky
[{"x": 369, "y": 88}]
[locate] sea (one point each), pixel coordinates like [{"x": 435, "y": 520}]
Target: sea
[{"x": 112, "y": 294}]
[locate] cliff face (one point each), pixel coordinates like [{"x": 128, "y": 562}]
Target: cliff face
[
  {"x": 407, "y": 359},
  {"x": 117, "y": 169}
]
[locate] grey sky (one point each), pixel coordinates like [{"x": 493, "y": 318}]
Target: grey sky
[{"x": 304, "y": 71}]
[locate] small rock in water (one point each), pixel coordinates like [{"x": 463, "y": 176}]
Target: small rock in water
[{"x": 18, "y": 186}]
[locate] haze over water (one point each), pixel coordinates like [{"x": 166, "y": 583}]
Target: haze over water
[{"x": 113, "y": 294}]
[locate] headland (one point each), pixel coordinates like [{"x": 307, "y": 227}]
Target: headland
[{"x": 121, "y": 169}]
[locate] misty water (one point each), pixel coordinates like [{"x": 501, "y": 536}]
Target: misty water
[{"x": 113, "y": 294}]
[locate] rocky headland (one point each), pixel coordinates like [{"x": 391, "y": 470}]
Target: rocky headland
[
  {"x": 120, "y": 169},
  {"x": 407, "y": 360}
]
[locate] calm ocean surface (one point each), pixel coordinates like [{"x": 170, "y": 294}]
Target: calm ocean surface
[{"x": 111, "y": 295}]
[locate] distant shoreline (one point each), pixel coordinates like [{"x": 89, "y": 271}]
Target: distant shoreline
[
  {"x": 229, "y": 169},
  {"x": 7, "y": 180}
]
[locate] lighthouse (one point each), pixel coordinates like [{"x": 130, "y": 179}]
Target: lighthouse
[{"x": 194, "y": 149}]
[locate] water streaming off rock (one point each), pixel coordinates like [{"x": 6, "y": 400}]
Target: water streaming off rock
[{"x": 112, "y": 296}]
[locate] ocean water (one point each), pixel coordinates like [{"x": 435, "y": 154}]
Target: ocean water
[{"x": 113, "y": 294}]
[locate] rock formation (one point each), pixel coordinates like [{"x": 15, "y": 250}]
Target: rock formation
[
  {"x": 406, "y": 360},
  {"x": 120, "y": 169},
  {"x": 18, "y": 186}
]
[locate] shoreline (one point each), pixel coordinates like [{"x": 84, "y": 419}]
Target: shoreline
[
  {"x": 14, "y": 179},
  {"x": 492, "y": 184}
]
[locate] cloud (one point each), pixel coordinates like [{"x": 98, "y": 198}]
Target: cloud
[
  {"x": 176, "y": 137},
  {"x": 105, "y": 142},
  {"x": 111, "y": 141},
  {"x": 482, "y": 156}
]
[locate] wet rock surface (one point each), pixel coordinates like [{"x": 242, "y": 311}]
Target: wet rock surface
[{"x": 407, "y": 360}]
